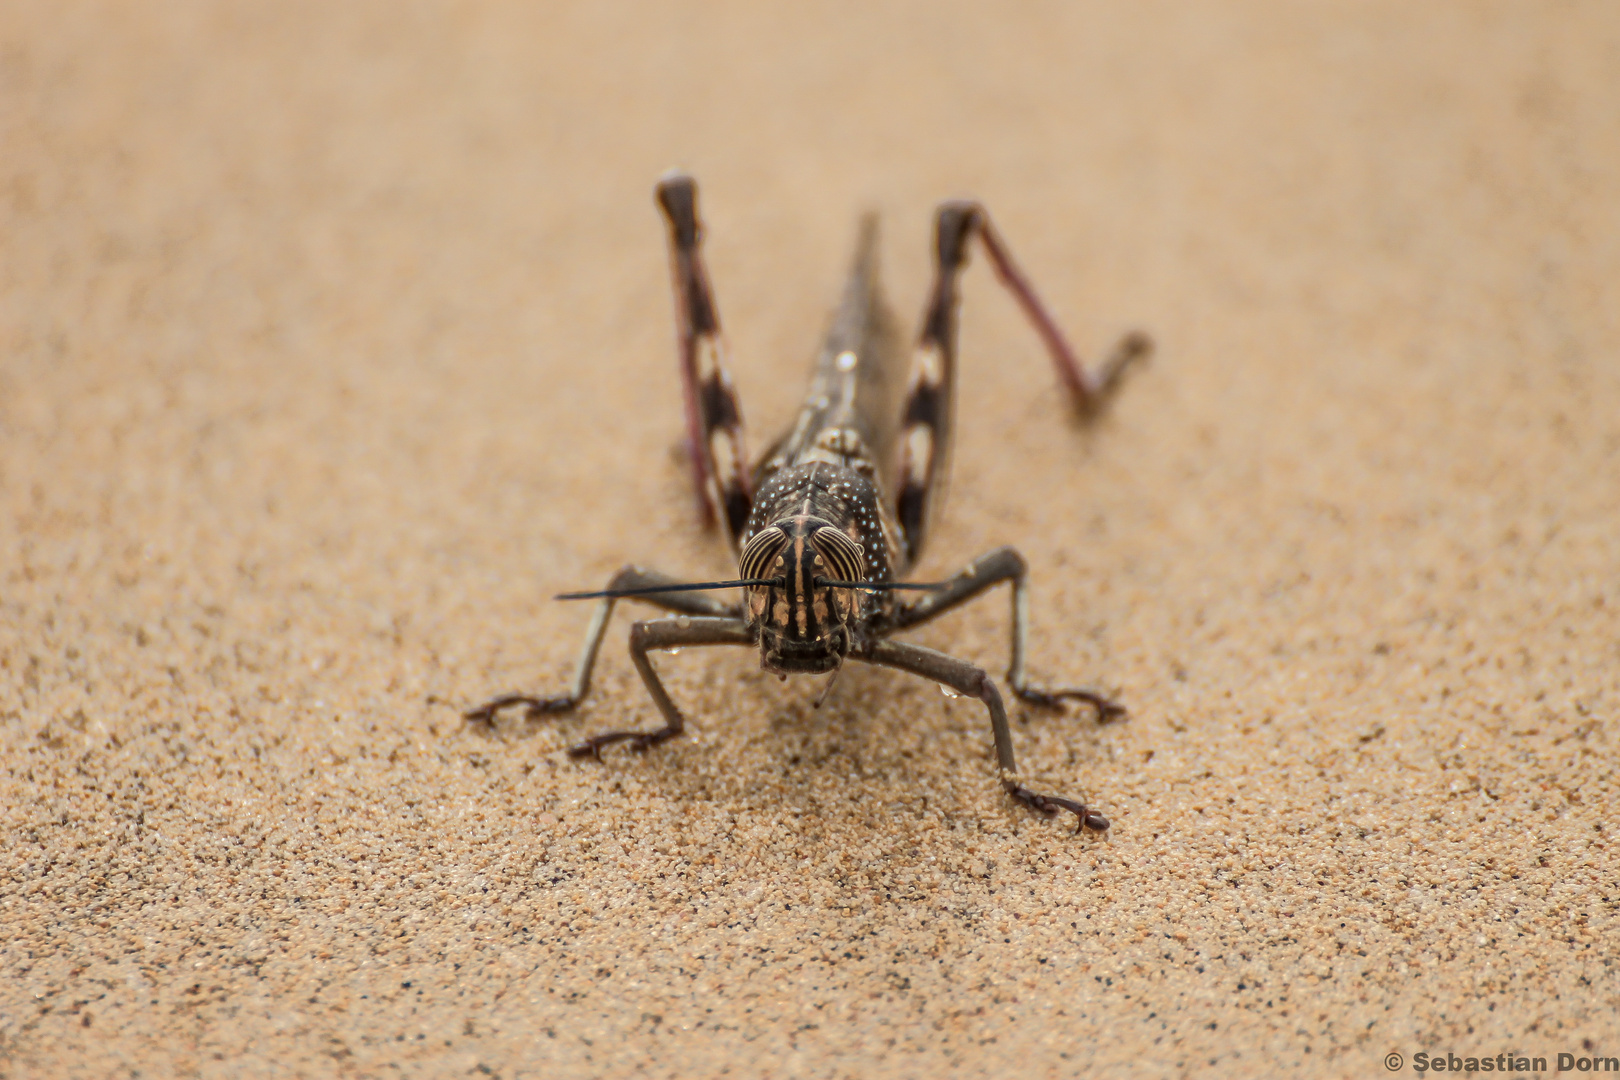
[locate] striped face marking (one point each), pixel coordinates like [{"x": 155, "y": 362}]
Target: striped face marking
[
  {"x": 814, "y": 522},
  {"x": 805, "y": 625}
]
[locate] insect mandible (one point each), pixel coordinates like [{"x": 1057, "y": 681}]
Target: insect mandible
[{"x": 836, "y": 510}]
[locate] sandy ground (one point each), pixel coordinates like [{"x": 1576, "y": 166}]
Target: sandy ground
[{"x": 335, "y": 339}]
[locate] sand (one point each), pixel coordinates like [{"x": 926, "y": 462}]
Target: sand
[{"x": 336, "y": 339}]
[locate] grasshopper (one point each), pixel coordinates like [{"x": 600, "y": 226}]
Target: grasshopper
[{"x": 839, "y": 507}]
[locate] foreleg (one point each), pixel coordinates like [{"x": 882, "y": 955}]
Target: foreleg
[
  {"x": 975, "y": 682},
  {"x": 1002, "y": 564},
  {"x": 657, "y": 634}
]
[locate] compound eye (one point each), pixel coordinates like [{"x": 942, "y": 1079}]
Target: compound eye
[
  {"x": 844, "y": 557},
  {"x": 760, "y": 552}
]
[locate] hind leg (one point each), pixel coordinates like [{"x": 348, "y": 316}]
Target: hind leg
[{"x": 926, "y": 416}]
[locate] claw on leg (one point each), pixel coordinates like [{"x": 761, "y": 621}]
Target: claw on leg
[
  {"x": 638, "y": 740},
  {"x": 534, "y": 707},
  {"x": 1107, "y": 708},
  {"x": 1051, "y": 804}
]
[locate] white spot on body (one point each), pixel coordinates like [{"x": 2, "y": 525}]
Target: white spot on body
[{"x": 846, "y": 361}]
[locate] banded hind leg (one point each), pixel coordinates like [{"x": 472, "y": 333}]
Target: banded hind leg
[
  {"x": 926, "y": 416},
  {"x": 714, "y": 426},
  {"x": 628, "y": 578},
  {"x": 987, "y": 571},
  {"x": 973, "y": 681}
]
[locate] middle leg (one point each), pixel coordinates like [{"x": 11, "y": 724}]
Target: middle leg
[
  {"x": 628, "y": 578},
  {"x": 1002, "y": 564}
]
